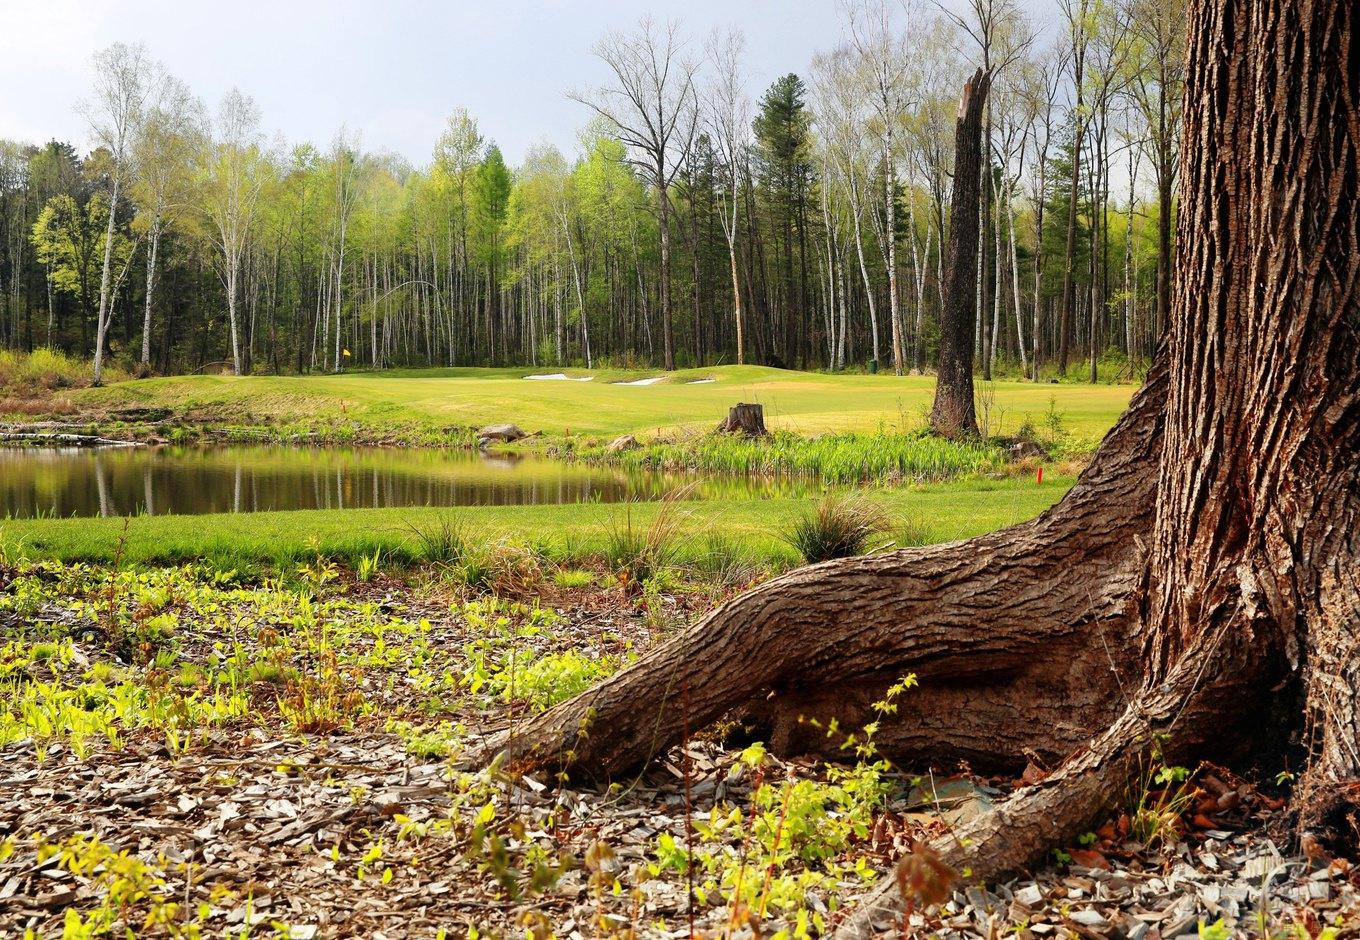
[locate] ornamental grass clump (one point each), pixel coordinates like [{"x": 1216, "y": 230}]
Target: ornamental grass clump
[{"x": 841, "y": 526}]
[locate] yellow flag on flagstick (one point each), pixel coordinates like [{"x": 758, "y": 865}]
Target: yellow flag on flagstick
[{"x": 345, "y": 353}]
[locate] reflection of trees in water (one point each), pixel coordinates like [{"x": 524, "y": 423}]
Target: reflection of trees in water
[
  {"x": 242, "y": 479},
  {"x": 102, "y": 485}
]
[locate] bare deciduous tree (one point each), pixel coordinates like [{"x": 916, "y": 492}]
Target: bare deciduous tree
[
  {"x": 169, "y": 136},
  {"x": 1158, "y": 34},
  {"x": 729, "y": 116},
  {"x": 1042, "y": 94},
  {"x": 840, "y": 112},
  {"x": 884, "y": 66},
  {"x": 653, "y": 108}
]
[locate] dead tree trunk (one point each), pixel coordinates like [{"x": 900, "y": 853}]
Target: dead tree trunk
[
  {"x": 744, "y": 419},
  {"x": 952, "y": 414},
  {"x": 1199, "y": 584}
]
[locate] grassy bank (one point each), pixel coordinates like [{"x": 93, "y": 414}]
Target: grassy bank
[
  {"x": 923, "y": 514},
  {"x": 845, "y": 459},
  {"x": 433, "y": 402}
]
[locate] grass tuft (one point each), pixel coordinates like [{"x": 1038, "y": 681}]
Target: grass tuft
[
  {"x": 443, "y": 541},
  {"x": 840, "y": 526},
  {"x": 638, "y": 554}
]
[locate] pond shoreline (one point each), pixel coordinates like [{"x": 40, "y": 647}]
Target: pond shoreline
[
  {"x": 52, "y": 480},
  {"x": 189, "y": 428}
]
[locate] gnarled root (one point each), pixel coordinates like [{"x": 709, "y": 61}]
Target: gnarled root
[
  {"x": 1175, "y": 718},
  {"x": 998, "y": 657},
  {"x": 1004, "y": 631}
]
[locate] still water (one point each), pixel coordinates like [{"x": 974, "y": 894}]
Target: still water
[{"x": 57, "y": 482}]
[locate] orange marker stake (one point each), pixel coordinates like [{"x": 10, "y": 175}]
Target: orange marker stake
[{"x": 1039, "y": 477}]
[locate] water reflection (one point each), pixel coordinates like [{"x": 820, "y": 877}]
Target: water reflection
[{"x": 38, "y": 482}]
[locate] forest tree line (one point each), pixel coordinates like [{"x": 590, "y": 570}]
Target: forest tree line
[{"x": 691, "y": 226}]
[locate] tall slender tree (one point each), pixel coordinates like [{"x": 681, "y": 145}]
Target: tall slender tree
[
  {"x": 234, "y": 173},
  {"x": 729, "y": 118},
  {"x": 124, "y": 80},
  {"x": 653, "y": 106},
  {"x": 169, "y": 136}
]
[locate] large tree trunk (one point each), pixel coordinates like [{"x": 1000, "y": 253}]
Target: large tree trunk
[
  {"x": 105, "y": 283},
  {"x": 150, "y": 289},
  {"x": 841, "y": 631},
  {"x": 1200, "y": 583},
  {"x": 952, "y": 414}
]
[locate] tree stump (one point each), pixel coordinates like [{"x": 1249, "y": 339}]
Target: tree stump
[{"x": 745, "y": 419}]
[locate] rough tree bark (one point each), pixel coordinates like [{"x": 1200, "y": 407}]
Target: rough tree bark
[
  {"x": 1199, "y": 584},
  {"x": 952, "y": 414}
]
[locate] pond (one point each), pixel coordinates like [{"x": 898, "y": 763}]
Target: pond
[{"x": 40, "y": 482}]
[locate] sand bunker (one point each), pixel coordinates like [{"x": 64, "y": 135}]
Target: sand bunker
[{"x": 559, "y": 377}]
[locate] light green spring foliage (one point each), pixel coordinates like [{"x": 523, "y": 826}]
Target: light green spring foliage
[
  {"x": 179, "y": 650},
  {"x": 512, "y": 659},
  {"x": 69, "y": 241}
]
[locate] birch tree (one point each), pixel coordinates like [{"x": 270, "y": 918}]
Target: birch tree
[
  {"x": 883, "y": 64},
  {"x": 1042, "y": 93},
  {"x": 235, "y": 171},
  {"x": 124, "y": 78},
  {"x": 1157, "y": 80},
  {"x": 169, "y": 136},
  {"x": 841, "y": 116},
  {"x": 345, "y": 168}
]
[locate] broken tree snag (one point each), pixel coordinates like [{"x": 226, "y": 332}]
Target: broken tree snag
[
  {"x": 744, "y": 419},
  {"x": 1204, "y": 572},
  {"x": 952, "y": 415}
]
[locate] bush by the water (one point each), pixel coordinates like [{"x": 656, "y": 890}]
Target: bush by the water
[
  {"x": 28, "y": 381},
  {"x": 843, "y": 459}
]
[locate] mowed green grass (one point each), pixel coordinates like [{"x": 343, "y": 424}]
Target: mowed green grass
[
  {"x": 924, "y": 514},
  {"x": 804, "y": 402}
]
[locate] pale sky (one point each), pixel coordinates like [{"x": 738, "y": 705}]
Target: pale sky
[{"x": 390, "y": 69}]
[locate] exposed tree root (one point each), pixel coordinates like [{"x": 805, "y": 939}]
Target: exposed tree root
[
  {"x": 1012, "y": 636},
  {"x": 1172, "y": 719}
]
